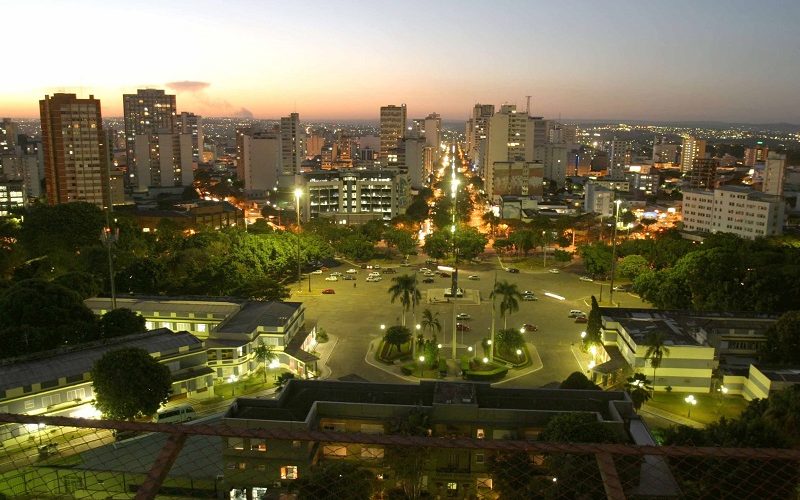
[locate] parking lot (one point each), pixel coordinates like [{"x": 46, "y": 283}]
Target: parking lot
[{"x": 356, "y": 310}]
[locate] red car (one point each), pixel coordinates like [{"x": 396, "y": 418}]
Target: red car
[
  {"x": 528, "y": 328},
  {"x": 461, "y": 327},
  {"x": 581, "y": 319},
  {"x": 328, "y": 291}
]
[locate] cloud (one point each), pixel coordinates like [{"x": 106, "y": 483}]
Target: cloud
[
  {"x": 188, "y": 86},
  {"x": 243, "y": 113}
]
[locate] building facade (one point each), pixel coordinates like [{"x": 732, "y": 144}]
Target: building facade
[
  {"x": 703, "y": 173},
  {"x": 363, "y": 194},
  {"x": 192, "y": 124},
  {"x": 147, "y": 113},
  {"x": 392, "y": 131},
  {"x": 292, "y": 144},
  {"x": 691, "y": 148},
  {"x": 74, "y": 148},
  {"x": 774, "y": 174},
  {"x": 739, "y": 210},
  {"x": 517, "y": 178}
]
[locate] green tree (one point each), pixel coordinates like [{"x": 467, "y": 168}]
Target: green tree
[
  {"x": 509, "y": 299},
  {"x": 283, "y": 379},
  {"x": 509, "y": 340},
  {"x": 402, "y": 239},
  {"x": 516, "y": 477},
  {"x": 120, "y": 322},
  {"x": 631, "y": 266},
  {"x": 336, "y": 480},
  {"x": 469, "y": 242},
  {"x": 783, "y": 340},
  {"x": 524, "y": 240},
  {"x": 405, "y": 289},
  {"x": 418, "y": 210},
  {"x": 430, "y": 322},
  {"x": 264, "y": 354},
  {"x": 397, "y": 335},
  {"x": 578, "y": 381},
  {"x": 594, "y": 327},
  {"x": 596, "y": 258},
  {"x": 129, "y": 383},
  {"x": 264, "y": 288},
  {"x": 357, "y": 247},
  {"x": 639, "y": 388},
  {"x": 562, "y": 256},
  {"x": 437, "y": 244},
  {"x": 63, "y": 228},
  {"x": 656, "y": 350},
  {"x": 84, "y": 284},
  {"x": 491, "y": 220}
]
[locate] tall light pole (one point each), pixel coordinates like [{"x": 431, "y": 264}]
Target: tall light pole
[
  {"x": 297, "y": 194},
  {"x": 109, "y": 237},
  {"x": 544, "y": 249},
  {"x": 614, "y": 250},
  {"x": 454, "y": 286}
]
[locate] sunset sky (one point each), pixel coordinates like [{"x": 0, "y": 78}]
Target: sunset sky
[{"x": 725, "y": 60}]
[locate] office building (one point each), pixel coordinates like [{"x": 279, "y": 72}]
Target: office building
[
  {"x": 147, "y": 113},
  {"x": 555, "y": 158},
  {"x": 292, "y": 144},
  {"x": 691, "y": 148},
  {"x": 163, "y": 159},
  {"x": 12, "y": 195},
  {"x": 259, "y": 160},
  {"x": 733, "y": 209},
  {"x": 392, "y": 131},
  {"x": 619, "y": 157},
  {"x": 519, "y": 178},
  {"x": 598, "y": 199},
  {"x": 192, "y": 124},
  {"x": 74, "y": 149},
  {"x": 755, "y": 155},
  {"x": 415, "y": 153},
  {"x": 433, "y": 133},
  {"x": 354, "y": 196},
  {"x": 509, "y": 139},
  {"x": 703, "y": 173},
  {"x": 476, "y": 131},
  {"x": 774, "y": 174},
  {"x": 562, "y": 134},
  {"x": 9, "y": 130}
]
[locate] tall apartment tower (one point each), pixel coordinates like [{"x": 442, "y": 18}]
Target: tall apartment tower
[
  {"x": 703, "y": 173},
  {"x": 619, "y": 156},
  {"x": 433, "y": 132},
  {"x": 292, "y": 144},
  {"x": 9, "y": 130},
  {"x": 148, "y": 114},
  {"x": 393, "y": 126},
  {"x": 691, "y": 148},
  {"x": 509, "y": 138},
  {"x": 755, "y": 155},
  {"x": 774, "y": 173},
  {"x": 259, "y": 160},
  {"x": 192, "y": 124},
  {"x": 75, "y": 159},
  {"x": 476, "y": 132}
]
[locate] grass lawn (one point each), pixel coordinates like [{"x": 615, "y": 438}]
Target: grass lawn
[
  {"x": 709, "y": 408},
  {"x": 249, "y": 384}
]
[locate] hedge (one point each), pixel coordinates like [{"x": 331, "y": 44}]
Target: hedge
[{"x": 496, "y": 374}]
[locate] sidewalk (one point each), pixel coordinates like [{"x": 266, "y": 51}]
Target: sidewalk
[{"x": 672, "y": 417}]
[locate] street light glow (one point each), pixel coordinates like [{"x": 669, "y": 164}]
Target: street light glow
[{"x": 298, "y": 193}]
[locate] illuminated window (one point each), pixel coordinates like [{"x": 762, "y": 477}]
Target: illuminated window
[
  {"x": 258, "y": 446},
  {"x": 289, "y": 472},
  {"x": 371, "y": 453},
  {"x": 333, "y": 450},
  {"x": 452, "y": 486},
  {"x": 480, "y": 434},
  {"x": 236, "y": 443}
]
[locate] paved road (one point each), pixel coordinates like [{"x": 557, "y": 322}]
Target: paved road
[{"x": 354, "y": 315}]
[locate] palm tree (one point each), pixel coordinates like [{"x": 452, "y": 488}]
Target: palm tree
[
  {"x": 509, "y": 302},
  {"x": 405, "y": 289},
  {"x": 640, "y": 389},
  {"x": 656, "y": 350},
  {"x": 430, "y": 321},
  {"x": 264, "y": 354}
]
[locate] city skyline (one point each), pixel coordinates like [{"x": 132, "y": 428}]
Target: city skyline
[{"x": 663, "y": 61}]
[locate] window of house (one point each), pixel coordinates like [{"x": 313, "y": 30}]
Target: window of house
[
  {"x": 289, "y": 472},
  {"x": 258, "y": 446},
  {"x": 371, "y": 453},
  {"x": 480, "y": 434},
  {"x": 236, "y": 443},
  {"x": 452, "y": 486},
  {"x": 480, "y": 458}
]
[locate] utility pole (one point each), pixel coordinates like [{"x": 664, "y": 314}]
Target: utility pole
[
  {"x": 109, "y": 237},
  {"x": 528, "y": 105},
  {"x": 454, "y": 285},
  {"x": 614, "y": 250}
]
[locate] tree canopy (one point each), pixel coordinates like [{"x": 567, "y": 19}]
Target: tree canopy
[
  {"x": 129, "y": 383},
  {"x": 783, "y": 340},
  {"x": 120, "y": 322}
]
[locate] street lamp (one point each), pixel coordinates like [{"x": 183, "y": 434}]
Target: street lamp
[
  {"x": 519, "y": 353},
  {"x": 421, "y": 365},
  {"x": 232, "y": 380},
  {"x": 297, "y": 194},
  {"x": 544, "y": 249},
  {"x": 109, "y": 238},
  {"x": 617, "y": 202},
  {"x": 691, "y": 401},
  {"x": 583, "y": 335}
]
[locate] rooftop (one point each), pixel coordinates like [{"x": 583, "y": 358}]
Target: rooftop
[
  {"x": 204, "y": 305},
  {"x": 254, "y": 314}
]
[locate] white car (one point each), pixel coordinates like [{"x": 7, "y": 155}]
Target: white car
[
  {"x": 374, "y": 274},
  {"x": 586, "y": 278},
  {"x": 463, "y": 316},
  {"x": 351, "y": 271},
  {"x": 373, "y": 278},
  {"x": 554, "y": 271},
  {"x": 316, "y": 271},
  {"x": 574, "y": 313},
  {"x": 336, "y": 273},
  {"x": 331, "y": 278},
  {"x": 474, "y": 277},
  {"x": 424, "y": 270}
]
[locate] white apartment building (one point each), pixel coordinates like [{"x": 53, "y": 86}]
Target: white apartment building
[
  {"x": 260, "y": 163},
  {"x": 164, "y": 159},
  {"x": 354, "y": 195},
  {"x": 292, "y": 144},
  {"x": 509, "y": 139},
  {"x": 691, "y": 148},
  {"x": 739, "y": 210},
  {"x": 555, "y": 158}
]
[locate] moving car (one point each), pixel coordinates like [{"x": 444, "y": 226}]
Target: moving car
[
  {"x": 328, "y": 291},
  {"x": 529, "y": 297},
  {"x": 348, "y": 277},
  {"x": 316, "y": 271},
  {"x": 374, "y": 278},
  {"x": 428, "y": 280},
  {"x": 474, "y": 277},
  {"x": 178, "y": 414},
  {"x": 581, "y": 319},
  {"x": 574, "y": 313},
  {"x": 586, "y": 278},
  {"x": 351, "y": 271},
  {"x": 513, "y": 270},
  {"x": 554, "y": 271},
  {"x": 461, "y": 327},
  {"x": 390, "y": 270},
  {"x": 463, "y": 316},
  {"x": 528, "y": 328},
  {"x": 331, "y": 278},
  {"x": 374, "y": 274},
  {"x": 336, "y": 273}
]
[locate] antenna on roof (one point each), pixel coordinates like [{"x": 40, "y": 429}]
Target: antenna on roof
[{"x": 528, "y": 105}]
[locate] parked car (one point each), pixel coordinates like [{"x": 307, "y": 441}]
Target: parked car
[
  {"x": 348, "y": 277},
  {"x": 428, "y": 280},
  {"x": 474, "y": 277},
  {"x": 528, "y": 328},
  {"x": 581, "y": 319},
  {"x": 424, "y": 270},
  {"x": 376, "y": 266},
  {"x": 331, "y": 278},
  {"x": 390, "y": 270},
  {"x": 623, "y": 288},
  {"x": 374, "y": 274},
  {"x": 444, "y": 275},
  {"x": 461, "y": 327},
  {"x": 374, "y": 278},
  {"x": 574, "y": 313},
  {"x": 448, "y": 292},
  {"x": 351, "y": 271},
  {"x": 513, "y": 270},
  {"x": 586, "y": 278},
  {"x": 336, "y": 273},
  {"x": 554, "y": 271},
  {"x": 529, "y": 297},
  {"x": 463, "y": 316},
  {"x": 316, "y": 271},
  {"x": 328, "y": 291}
]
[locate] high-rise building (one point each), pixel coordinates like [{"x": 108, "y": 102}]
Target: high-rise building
[
  {"x": 755, "y": 155},
  {"x": 733, "y": 209},
  {"x": 433, "y": 132},
  {"x": 702, "y": 174},
  {"x": 74, "y": 147},
  {"x": 148, "y": 113},
  {"x": 619, "y": 156},
  {"x": 663, "y": 151},
  {"x": 9, "y": 130},
  {"x": 691, "y": 148},
  {"x": 261, "y": 162},
  {"x": 476, "y": 132},
  {"x": 292, "y": 144},
  {"x": 192, "y": 124},
  {"x": 554, "y": 158},
  {"x": 774, "y": 174},
  {"x": 509, "y": 138},
  {"x": 393, "y": 125},
  {"x": 163, "y": 160}
]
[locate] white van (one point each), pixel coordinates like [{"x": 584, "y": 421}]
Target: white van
[
  {"x": 176, "y": 415},
  {"x": 574, "y": 313}
]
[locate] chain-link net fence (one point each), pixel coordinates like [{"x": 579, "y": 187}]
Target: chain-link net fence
[{"x": 55, "y": 457}]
